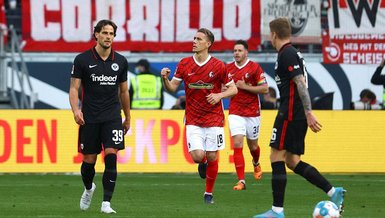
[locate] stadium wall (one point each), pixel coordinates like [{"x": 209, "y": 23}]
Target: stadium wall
[
  {"x": 45, "y": 141},
  {"x": 51, "y": 73}
]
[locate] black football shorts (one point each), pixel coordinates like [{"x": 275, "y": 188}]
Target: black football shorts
[
  {"x": 93, "y": 137},
  {"x": 289, "y": 135}
]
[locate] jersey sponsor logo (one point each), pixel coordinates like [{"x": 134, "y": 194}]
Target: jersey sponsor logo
[
  {"x": 92, "y": 66},
  {"x": 115, "y": 67},
  {"x": 200, "y": 85},
  {"x": 104, "y": 80}
]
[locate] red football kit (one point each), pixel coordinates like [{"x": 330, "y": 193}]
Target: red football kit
[
  {"x": 245, "y": 103},
  {"x": 200, "y": 80}
]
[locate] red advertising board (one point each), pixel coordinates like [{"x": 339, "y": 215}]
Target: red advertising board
[
  {"x": 146, "y": 26},
  {"x": 356, "y": 33}
]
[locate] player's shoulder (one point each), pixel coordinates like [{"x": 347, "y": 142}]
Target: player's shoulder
[
  {"x": 289, "y": 50},
  {"x": 84, "y": 55},
  {"x": 186, "y": 60},
  {"x": 230, "y": 64},
  {"x": 119, "y": 57},
  {"x": 216, "y": 60}
]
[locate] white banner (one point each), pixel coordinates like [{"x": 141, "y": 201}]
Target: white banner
[
  {"x": 305, "y": 19},
  {"x": 356, "y": 17}
]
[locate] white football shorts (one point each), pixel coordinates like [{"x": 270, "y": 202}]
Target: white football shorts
[
  {"x": 205, "y": 138},
  {"x": 248, "y": 126}
]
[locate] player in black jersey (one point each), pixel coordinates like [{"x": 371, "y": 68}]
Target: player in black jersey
[
  {"x": 294, "y": 116},
  {"x": 102, "y": 75}
]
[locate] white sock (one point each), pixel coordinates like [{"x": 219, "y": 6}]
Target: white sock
[
  {"x": 277, "y": 209},
  {"x": 206, "y": 193},
  {"x": 243, "y": 181},
  {"x": 331, "y": 192}
]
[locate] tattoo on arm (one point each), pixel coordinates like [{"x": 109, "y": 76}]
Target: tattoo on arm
[{"x": 303, "y": 92}]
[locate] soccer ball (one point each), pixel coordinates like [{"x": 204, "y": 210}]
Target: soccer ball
[{"x": 326, "y": 209}]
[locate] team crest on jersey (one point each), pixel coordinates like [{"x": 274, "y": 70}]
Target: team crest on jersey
[
  {"x": 115, "y": 67},
  {"x": 211, "y": 74},
  {"x": 200, "y": 85},
  {"x": 247, "y": 75}
]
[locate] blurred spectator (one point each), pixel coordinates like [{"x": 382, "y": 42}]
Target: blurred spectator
[
  {"x": 378, "y": 79},
  {"x": 146, "y": 89},
  {"x": 368, "y": 101},
  {"x": 180, "y": 103},
  {"x": 270, "y": 99}
]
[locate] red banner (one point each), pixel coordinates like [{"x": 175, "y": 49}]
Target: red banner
[
  {"x": 354, "y": 49},
  {"x": 356, "y": 33},
  {"x": 145, "y": 26}
]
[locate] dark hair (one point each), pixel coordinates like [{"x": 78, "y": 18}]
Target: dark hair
[
  {"x": 208, "y": 34},
  {"x": 103, "y": 23},
  {"x": 242, "y": 42},
  {"x": 144, "y": 63},
  {"x": 281, "y": 26},
  {"x": 368, "y": 94}
]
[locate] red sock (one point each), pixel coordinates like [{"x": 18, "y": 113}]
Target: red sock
[
  {"x": 204, "y": 160},
  {"x": 211, "y": 175},
  {"x": 255, "y": 154},
  {"x": 239, "y": 162}
]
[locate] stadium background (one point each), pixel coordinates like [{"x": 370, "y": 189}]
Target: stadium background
[{"x": 340, "y": 59}]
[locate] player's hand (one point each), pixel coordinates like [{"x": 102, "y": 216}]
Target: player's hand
[
  {"x": 312, "y": 122},
  {"x": 126, "y": 125},
  {"x": 165, "y": 72},
  {"x": 241, "y": 84},
  {"x": 214, "y": 98},
  {"x": 78, "y": 117}
]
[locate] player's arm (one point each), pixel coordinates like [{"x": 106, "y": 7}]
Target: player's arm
[
  {"x": 74, "y": 100},
  {"x": 172, "y": 85},
  {"x": 229, "y": 91},
  {"x": 125, "y": 101},
  {"x": 377, "y": 78},
  {"x": 258, "y": 89},
  {"x": 312, "y": 121}
]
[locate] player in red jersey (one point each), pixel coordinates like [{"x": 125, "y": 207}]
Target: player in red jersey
[
  {"x": 244, "y": 111},
  {"x": 203, "y": 76}
]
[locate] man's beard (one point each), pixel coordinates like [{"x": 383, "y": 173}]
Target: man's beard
[{"x": 104, "y": 46}]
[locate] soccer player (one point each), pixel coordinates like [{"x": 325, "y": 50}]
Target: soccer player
[
  {"x": 294, "y": 117},
  {"x": 102, "y": 74},
  {"x": 244, "y": 110},
  {"x": 203, "y": 76}
]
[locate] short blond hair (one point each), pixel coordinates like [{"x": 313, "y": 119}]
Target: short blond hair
[{"x": 281, "y": 26}]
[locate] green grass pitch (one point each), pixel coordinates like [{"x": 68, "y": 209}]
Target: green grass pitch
[{"x": 181, "y": 195}]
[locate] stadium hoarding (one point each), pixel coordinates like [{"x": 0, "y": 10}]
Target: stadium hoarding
[
  {"x": 151, "y": 26},
  {"x": 304, "y": 16},
  {"x": 45, "y": 141},
  {"x": 355, "y": 34}
]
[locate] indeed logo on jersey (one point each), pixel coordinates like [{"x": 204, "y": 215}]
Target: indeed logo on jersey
[{"x": 104, "y": 80}]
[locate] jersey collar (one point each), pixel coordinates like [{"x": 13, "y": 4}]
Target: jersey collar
[
  {"x": 111, "y": 57},
  {"x": 283, "y": 47},
  {"x": 240, "y": 67},
  {"x": 203, "y": 63}
]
